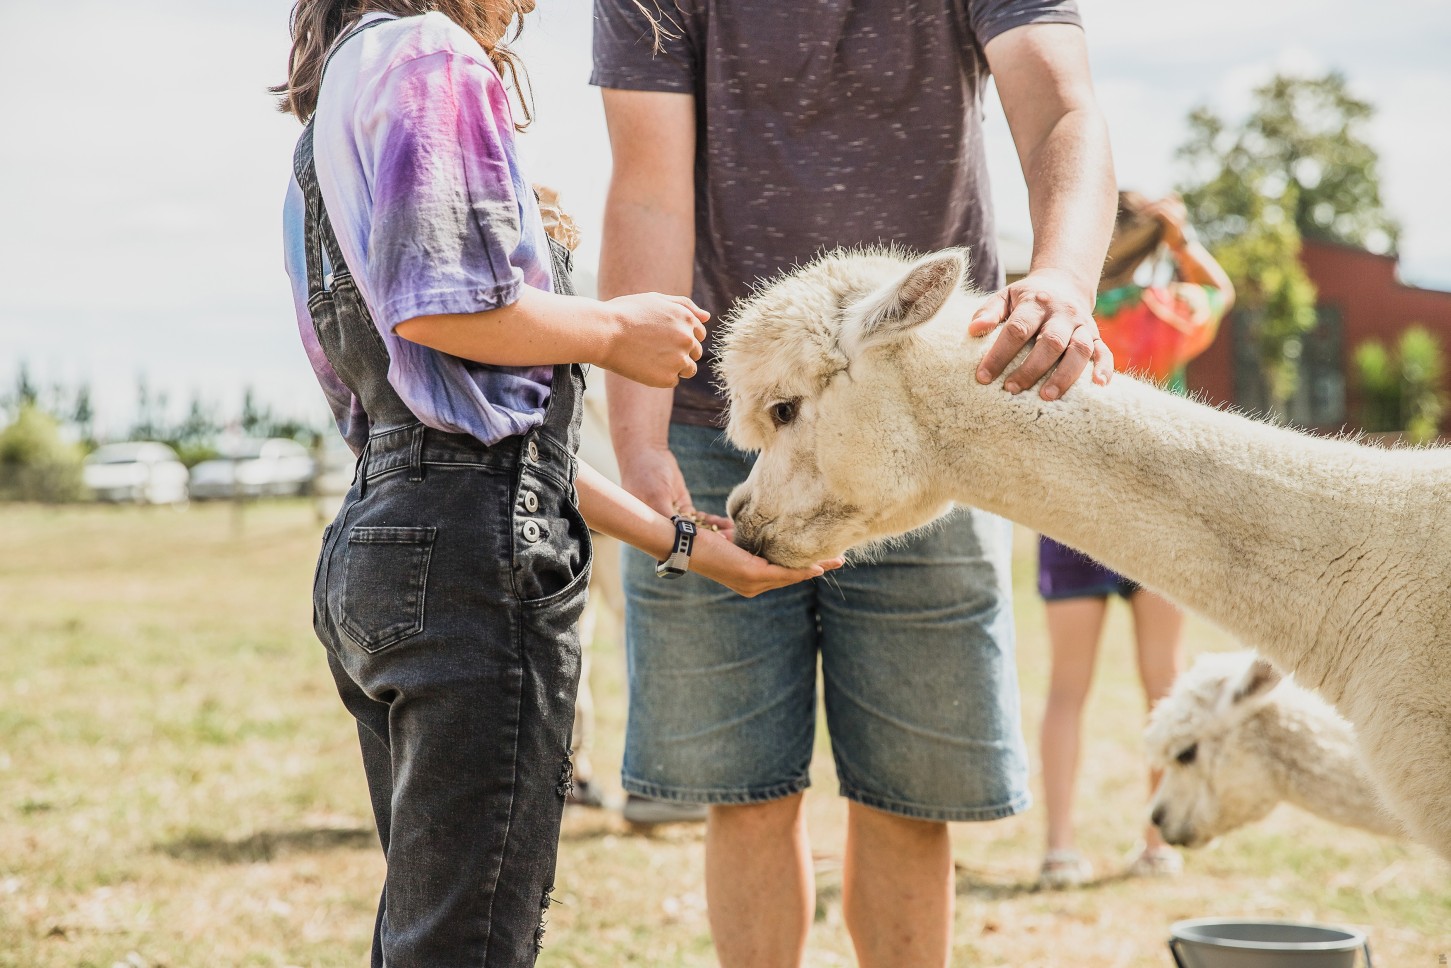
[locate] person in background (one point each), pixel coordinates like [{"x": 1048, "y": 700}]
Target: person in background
[
  {"x": 1154, "y": 327},
  {"x": 756, "y": 134}
]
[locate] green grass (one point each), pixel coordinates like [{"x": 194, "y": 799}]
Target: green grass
[{"x": 179, "y": 786}]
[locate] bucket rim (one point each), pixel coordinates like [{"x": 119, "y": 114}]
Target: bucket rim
[{"x": 1355, "y": 938}]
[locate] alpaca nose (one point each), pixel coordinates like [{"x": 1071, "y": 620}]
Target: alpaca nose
[{"x": 1157, "y": 816}]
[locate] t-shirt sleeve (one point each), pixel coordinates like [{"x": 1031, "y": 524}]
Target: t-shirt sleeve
[
  {"x": 625, "y": 51},
  {"x": 436, "y": 134},
  {"x": 992, "y": 17}
]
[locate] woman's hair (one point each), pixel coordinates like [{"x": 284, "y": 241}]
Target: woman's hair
[
  {"x": 317, "y": 24},
  {"x": 1135, "y": 237}
]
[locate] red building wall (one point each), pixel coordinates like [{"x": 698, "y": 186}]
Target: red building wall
[{"x": 1362, "y": 287}]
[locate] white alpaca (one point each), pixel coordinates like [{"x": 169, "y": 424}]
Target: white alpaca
[
  {"x": 1234, "y": 739},
  {"x": 854, "y": 377}
]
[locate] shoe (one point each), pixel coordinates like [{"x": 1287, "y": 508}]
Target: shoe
[
  {"x": 585, "y": 793},
  {"x": 1063, "y": 868},
  {"x": 645, "y": 812},
  {"x": 1162, "y": 861}
]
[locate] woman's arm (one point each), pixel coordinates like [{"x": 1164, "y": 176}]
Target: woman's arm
[
  {"x": 647, "y": 337},
  {"x": 614, "y": 511},
  {"x": 1196, "y": 266}
]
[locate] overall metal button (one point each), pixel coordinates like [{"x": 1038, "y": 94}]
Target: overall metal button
[
  {"x": 531, "y": 501},
  {"x": 531, "y": 531},
  {"x": 532, "y": 449}
]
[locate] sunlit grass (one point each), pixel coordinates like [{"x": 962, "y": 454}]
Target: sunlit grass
[{"x": 179, "y": 786}]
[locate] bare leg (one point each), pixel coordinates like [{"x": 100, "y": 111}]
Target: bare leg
[
  {"x": 898, "y": 886},
  {"x": 758, "y": 881},
  {"x": 1159, "y": 636},
  {"x": 1074, "y": 626}
]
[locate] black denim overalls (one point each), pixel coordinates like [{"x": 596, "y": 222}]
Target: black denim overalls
[{"x": 448, "y": 594}]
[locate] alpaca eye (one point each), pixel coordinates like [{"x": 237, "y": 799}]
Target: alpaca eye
[
  {"x": 783, "y": 412},
  {"x": 1187, "y": 756}
]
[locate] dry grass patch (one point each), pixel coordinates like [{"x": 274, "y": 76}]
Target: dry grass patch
[{"x": 179, "y": 787}]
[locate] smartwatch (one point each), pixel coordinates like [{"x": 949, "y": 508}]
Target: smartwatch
[{"x": 678, "y": 563}]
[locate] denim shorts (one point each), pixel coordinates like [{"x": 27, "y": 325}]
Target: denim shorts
[
  {"x": 916, "y": 653},
  {"x": 1065, "y": 573}
]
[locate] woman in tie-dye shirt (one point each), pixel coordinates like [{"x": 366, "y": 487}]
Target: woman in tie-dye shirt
[{"x": 450, "y": 582}]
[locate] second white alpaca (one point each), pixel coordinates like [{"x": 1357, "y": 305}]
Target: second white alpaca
[
  {"x": 1235, "y": 739},
  {"x": 855, "y": 379}
]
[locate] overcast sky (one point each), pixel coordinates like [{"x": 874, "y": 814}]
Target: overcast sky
[{"x": 142, "y": 167}]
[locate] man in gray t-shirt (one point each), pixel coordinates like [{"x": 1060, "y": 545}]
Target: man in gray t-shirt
[{"x": 755, "y": 134}]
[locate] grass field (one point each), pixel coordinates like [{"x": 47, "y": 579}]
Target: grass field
[{"x": 180, "y": 787}]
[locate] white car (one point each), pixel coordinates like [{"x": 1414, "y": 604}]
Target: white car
[
  {"x": 137, "y": 472},
  {"x": 254, "y": 468}
]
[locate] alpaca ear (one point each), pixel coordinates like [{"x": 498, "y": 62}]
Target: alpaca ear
[
  {"x": 911, "y": 299},
  {"x": 1257, "y": 680}
]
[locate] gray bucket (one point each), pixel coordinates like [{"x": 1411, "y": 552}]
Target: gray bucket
[{"x": 1238, "y": 943}]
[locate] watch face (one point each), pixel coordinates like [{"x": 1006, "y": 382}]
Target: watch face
[{"x": 688, "y": 527}]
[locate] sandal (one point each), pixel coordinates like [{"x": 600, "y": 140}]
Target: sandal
[
  {"x": 1063, "y": 868},
  {"x": 1162, "y": 861}
]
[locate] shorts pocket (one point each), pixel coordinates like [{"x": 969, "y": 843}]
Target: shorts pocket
[{"x": 385, "y": 576}]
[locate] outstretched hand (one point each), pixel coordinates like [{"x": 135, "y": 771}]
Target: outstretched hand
[
  {"x": 719, "y": 559},
  {"x": 1050, "y": 305}
]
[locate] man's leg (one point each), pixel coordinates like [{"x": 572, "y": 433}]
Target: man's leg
[
  {"x": 758, "y": 882},
  {"x": 898, "y": 889},
  {"x": 723, "y": 712},
  {"x": 922, "y": 704}
]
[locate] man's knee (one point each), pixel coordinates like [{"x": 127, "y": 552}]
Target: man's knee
[
  {"x": 758, "y": 819},
  {"x": 895, "y": 827}
]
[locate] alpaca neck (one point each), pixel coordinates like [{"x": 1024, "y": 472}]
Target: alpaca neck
[
  {"x": 1321, "y": 770},
  {"x": 1258, "y": 528}
]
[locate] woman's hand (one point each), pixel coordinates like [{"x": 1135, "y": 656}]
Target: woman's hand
[
  {"x": 655, "y": 340},
  {"x": 1173, "y": 216},
  {"x": 718, "y": 559}
]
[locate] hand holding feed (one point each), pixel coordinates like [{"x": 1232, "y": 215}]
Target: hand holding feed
[
  {"x": 653, "y": 475},
  {"x": 720, "y": 560},
  {"x": 1050, "y": 305},
  {"x": 656, "y": 339}
]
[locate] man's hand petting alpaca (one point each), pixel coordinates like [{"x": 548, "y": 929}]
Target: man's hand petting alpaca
[{"x": 1051, "y": 305}]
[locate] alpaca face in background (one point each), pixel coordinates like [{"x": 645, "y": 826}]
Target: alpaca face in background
[
  {"x": 1216, "y": 776},
  {"x": 810, "y": 365}
]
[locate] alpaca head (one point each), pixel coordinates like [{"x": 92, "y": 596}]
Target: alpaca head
[
  {"x": 812, "y": 365},
  {"x": 1202, "y": 735}
]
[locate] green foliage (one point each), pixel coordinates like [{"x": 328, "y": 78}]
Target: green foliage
[
  {"x": 1403, "y": 389},
  {"x": 36, "y": 463},
  {"x": 1296, "y": 167}
]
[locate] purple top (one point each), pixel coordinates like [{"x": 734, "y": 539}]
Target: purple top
[
  {"x": 417, "y": 165},
  {"x": 836, "y": 122}
]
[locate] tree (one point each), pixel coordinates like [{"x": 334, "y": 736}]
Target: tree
[
  {"x": 1403, "y": 389},
  {"x": 36, "y": 463},
  {"x": 1297, "y": 167},
  {"x": 25, "y": 394}
]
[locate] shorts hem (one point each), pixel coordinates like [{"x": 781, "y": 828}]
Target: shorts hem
[
  {"x": 1090, "y": 591},
  {"x": 715, "y": 795},
  {"x": 916, "y": 811}
]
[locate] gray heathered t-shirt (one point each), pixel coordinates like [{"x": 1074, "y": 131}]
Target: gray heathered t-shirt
[{"x": 821, "y": 123}]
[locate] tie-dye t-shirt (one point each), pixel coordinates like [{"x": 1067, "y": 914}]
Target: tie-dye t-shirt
[{"x": 416, "y": 160}]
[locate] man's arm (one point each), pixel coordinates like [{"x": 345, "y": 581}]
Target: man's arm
[
  {"x": 648, "y": 244},
  {"x": 1044, "y": 83}
]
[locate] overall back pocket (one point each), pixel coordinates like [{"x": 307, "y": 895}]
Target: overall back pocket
[{"x": 385, "y": 577}]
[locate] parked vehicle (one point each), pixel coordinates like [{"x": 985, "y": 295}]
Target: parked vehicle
[
  {"x": 137, "y": 472},
  {"x": 254, "y": 468}
]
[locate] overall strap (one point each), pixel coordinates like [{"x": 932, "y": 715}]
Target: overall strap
[
  {"x": 345, "y": 327},
  {"x": 566, "y": 390}
]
